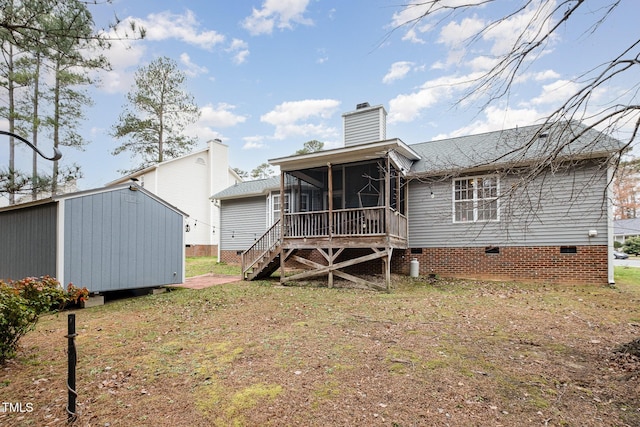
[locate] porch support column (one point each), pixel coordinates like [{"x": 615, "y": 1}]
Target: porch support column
[
  {"x": 387, "y": 197},
  {"x": 282, "y": 213},
  {"x": 330, "y": 249}
]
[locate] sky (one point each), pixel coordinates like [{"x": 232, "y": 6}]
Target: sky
[{"x": 269, "y": 75}]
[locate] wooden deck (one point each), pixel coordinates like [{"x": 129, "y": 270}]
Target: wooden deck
[
  {"x": 379, "y": 229},
  {"x": 345, "y": 228}
]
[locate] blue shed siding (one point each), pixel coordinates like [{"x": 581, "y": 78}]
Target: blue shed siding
[
  {"x": 122, "y": 240},
  {"x": 28, "y": 239}
]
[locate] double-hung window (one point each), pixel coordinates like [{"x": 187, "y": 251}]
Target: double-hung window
[{"x": 475, "y": 199}]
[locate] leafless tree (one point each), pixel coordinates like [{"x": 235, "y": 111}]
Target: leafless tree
[
  {"x": 546, "y": 21},
  {"x": 566, "y": 143}
]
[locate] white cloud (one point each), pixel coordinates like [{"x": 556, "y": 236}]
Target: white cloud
[
  {"x": 220, "y": 115},
  {"x": 123, "y": 55},
  {"x": 397, "y": 71},
  {"x": 240, "y": 50},
  {"x": 253, "y": 142},
  {"x": 126, "y": 55},
  {"x": 407, "y": 107},
  {"x": 456, "y": 34},
  {"x": 185, "y": 27},
  {"x": 556, "y": 92},
  {"x": 281, "y": 14},
  {"x": 497, "y": 118},
  {"x": 192, "y": 70},
  {"x": 322, "y": 56},
  {"x": 411, "y": 16},
  {"x": 303, "y": 118}
]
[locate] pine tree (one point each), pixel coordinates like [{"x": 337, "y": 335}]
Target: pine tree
[{"x": 157, "y": 112}]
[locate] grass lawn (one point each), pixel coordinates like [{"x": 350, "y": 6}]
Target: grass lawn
[
  {"x": 449, "y": 353},
  {"x": 627, "y": 275},
  {"x": 202, "y": 265}
]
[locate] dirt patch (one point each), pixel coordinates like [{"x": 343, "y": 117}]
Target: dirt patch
[{"x": 450, "y": 353}]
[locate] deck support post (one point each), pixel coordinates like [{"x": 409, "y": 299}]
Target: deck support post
[
  {"x": 282, "y": 230},
  {"x": 330, "y": 276}
]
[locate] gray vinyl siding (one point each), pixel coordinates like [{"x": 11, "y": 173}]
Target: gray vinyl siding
[
  {"x": 122, "y": 240},
  {"x": 28, "y": 239},
  {"x": 242, "y": 221},
  {"x": 364, "y": 126},
  {"x": 554, "y": 210}
]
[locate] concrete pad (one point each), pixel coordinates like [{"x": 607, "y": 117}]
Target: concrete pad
[{"x": 93, "y": 301}]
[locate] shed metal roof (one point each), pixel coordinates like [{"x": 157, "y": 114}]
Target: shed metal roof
[{"x": 83, "y": 193}]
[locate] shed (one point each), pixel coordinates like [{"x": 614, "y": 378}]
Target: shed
[{"x": 105, "y": 239}]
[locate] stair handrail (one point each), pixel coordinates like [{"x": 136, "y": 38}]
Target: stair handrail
[{"x": 263, "y": 245}]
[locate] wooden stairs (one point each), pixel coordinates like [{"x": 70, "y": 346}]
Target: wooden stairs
[
  {"x": 268, "y": 263},
  {"x": 263, "y": 257}
]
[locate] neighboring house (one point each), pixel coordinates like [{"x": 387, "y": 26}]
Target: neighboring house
[
  {"x": 187, "y": 182},
  {"x": 480, "y": 206},
  {"x": 106, "y": 239},
  {"x": 625, "y": 228}
]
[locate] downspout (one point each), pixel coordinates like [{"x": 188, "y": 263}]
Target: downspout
[{"x": 610, "y": 230}]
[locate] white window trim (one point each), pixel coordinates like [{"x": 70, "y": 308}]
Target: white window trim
[
  {"x": 475, "y": 199},
  {"x": 272, "y": 202}
]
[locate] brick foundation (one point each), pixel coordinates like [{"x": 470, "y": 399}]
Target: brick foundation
[
  {"x": 547, "y": 264},
  {"x": 201, "y": 250},
  {"x": 550, "y": 264}
]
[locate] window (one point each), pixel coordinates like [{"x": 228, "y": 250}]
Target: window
[
  {"x": 475, "y": 199},
  {"x": 276, "y": 208}
]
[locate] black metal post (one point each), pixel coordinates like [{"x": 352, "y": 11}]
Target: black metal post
[
  {"x": 71, "y": 374},
  {"x": 56, "y": 153}
]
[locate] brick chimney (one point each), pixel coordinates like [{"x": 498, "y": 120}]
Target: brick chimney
[{"x": 364, "y": 125}]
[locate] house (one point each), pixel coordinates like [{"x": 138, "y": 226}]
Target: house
[
  {"x": 517, "y": 204},
  {"x": 625, "y": 228},
  {"x": 187, "y": 182},
  {"x": 105, "y": 239}
]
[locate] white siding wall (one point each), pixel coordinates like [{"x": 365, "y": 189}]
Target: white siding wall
[
  {"x": 188, "y": 182},
  {"x": 554, "y": 210}
]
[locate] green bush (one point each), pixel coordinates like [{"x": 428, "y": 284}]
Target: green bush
[
  {"x": 616, "y": 244},
  {"x": 632, "y": 245},
  {"x": 22, "y": 301},
  {"x": 17, "y": 318}
]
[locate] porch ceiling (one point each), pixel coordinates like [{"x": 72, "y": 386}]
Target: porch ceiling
[{"x": 349, "y": 154}]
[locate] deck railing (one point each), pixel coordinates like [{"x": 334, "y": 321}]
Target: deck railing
[
  {"x": 345, "y": 222},
  {"x": 268, "y": 241}
]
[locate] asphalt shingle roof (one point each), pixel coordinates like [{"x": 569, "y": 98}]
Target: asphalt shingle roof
[
  {"x": 249, "y": 188},
  {"x": 623, "y": 227},
  {"x": 511, "y": 146},
  {"x": 487, "y": 150}
]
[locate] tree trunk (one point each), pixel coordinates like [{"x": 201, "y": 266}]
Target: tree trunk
[{"x": 34, "y": 129}]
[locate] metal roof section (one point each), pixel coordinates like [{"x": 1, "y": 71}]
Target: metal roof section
[{"x": 131, "y": 185}]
